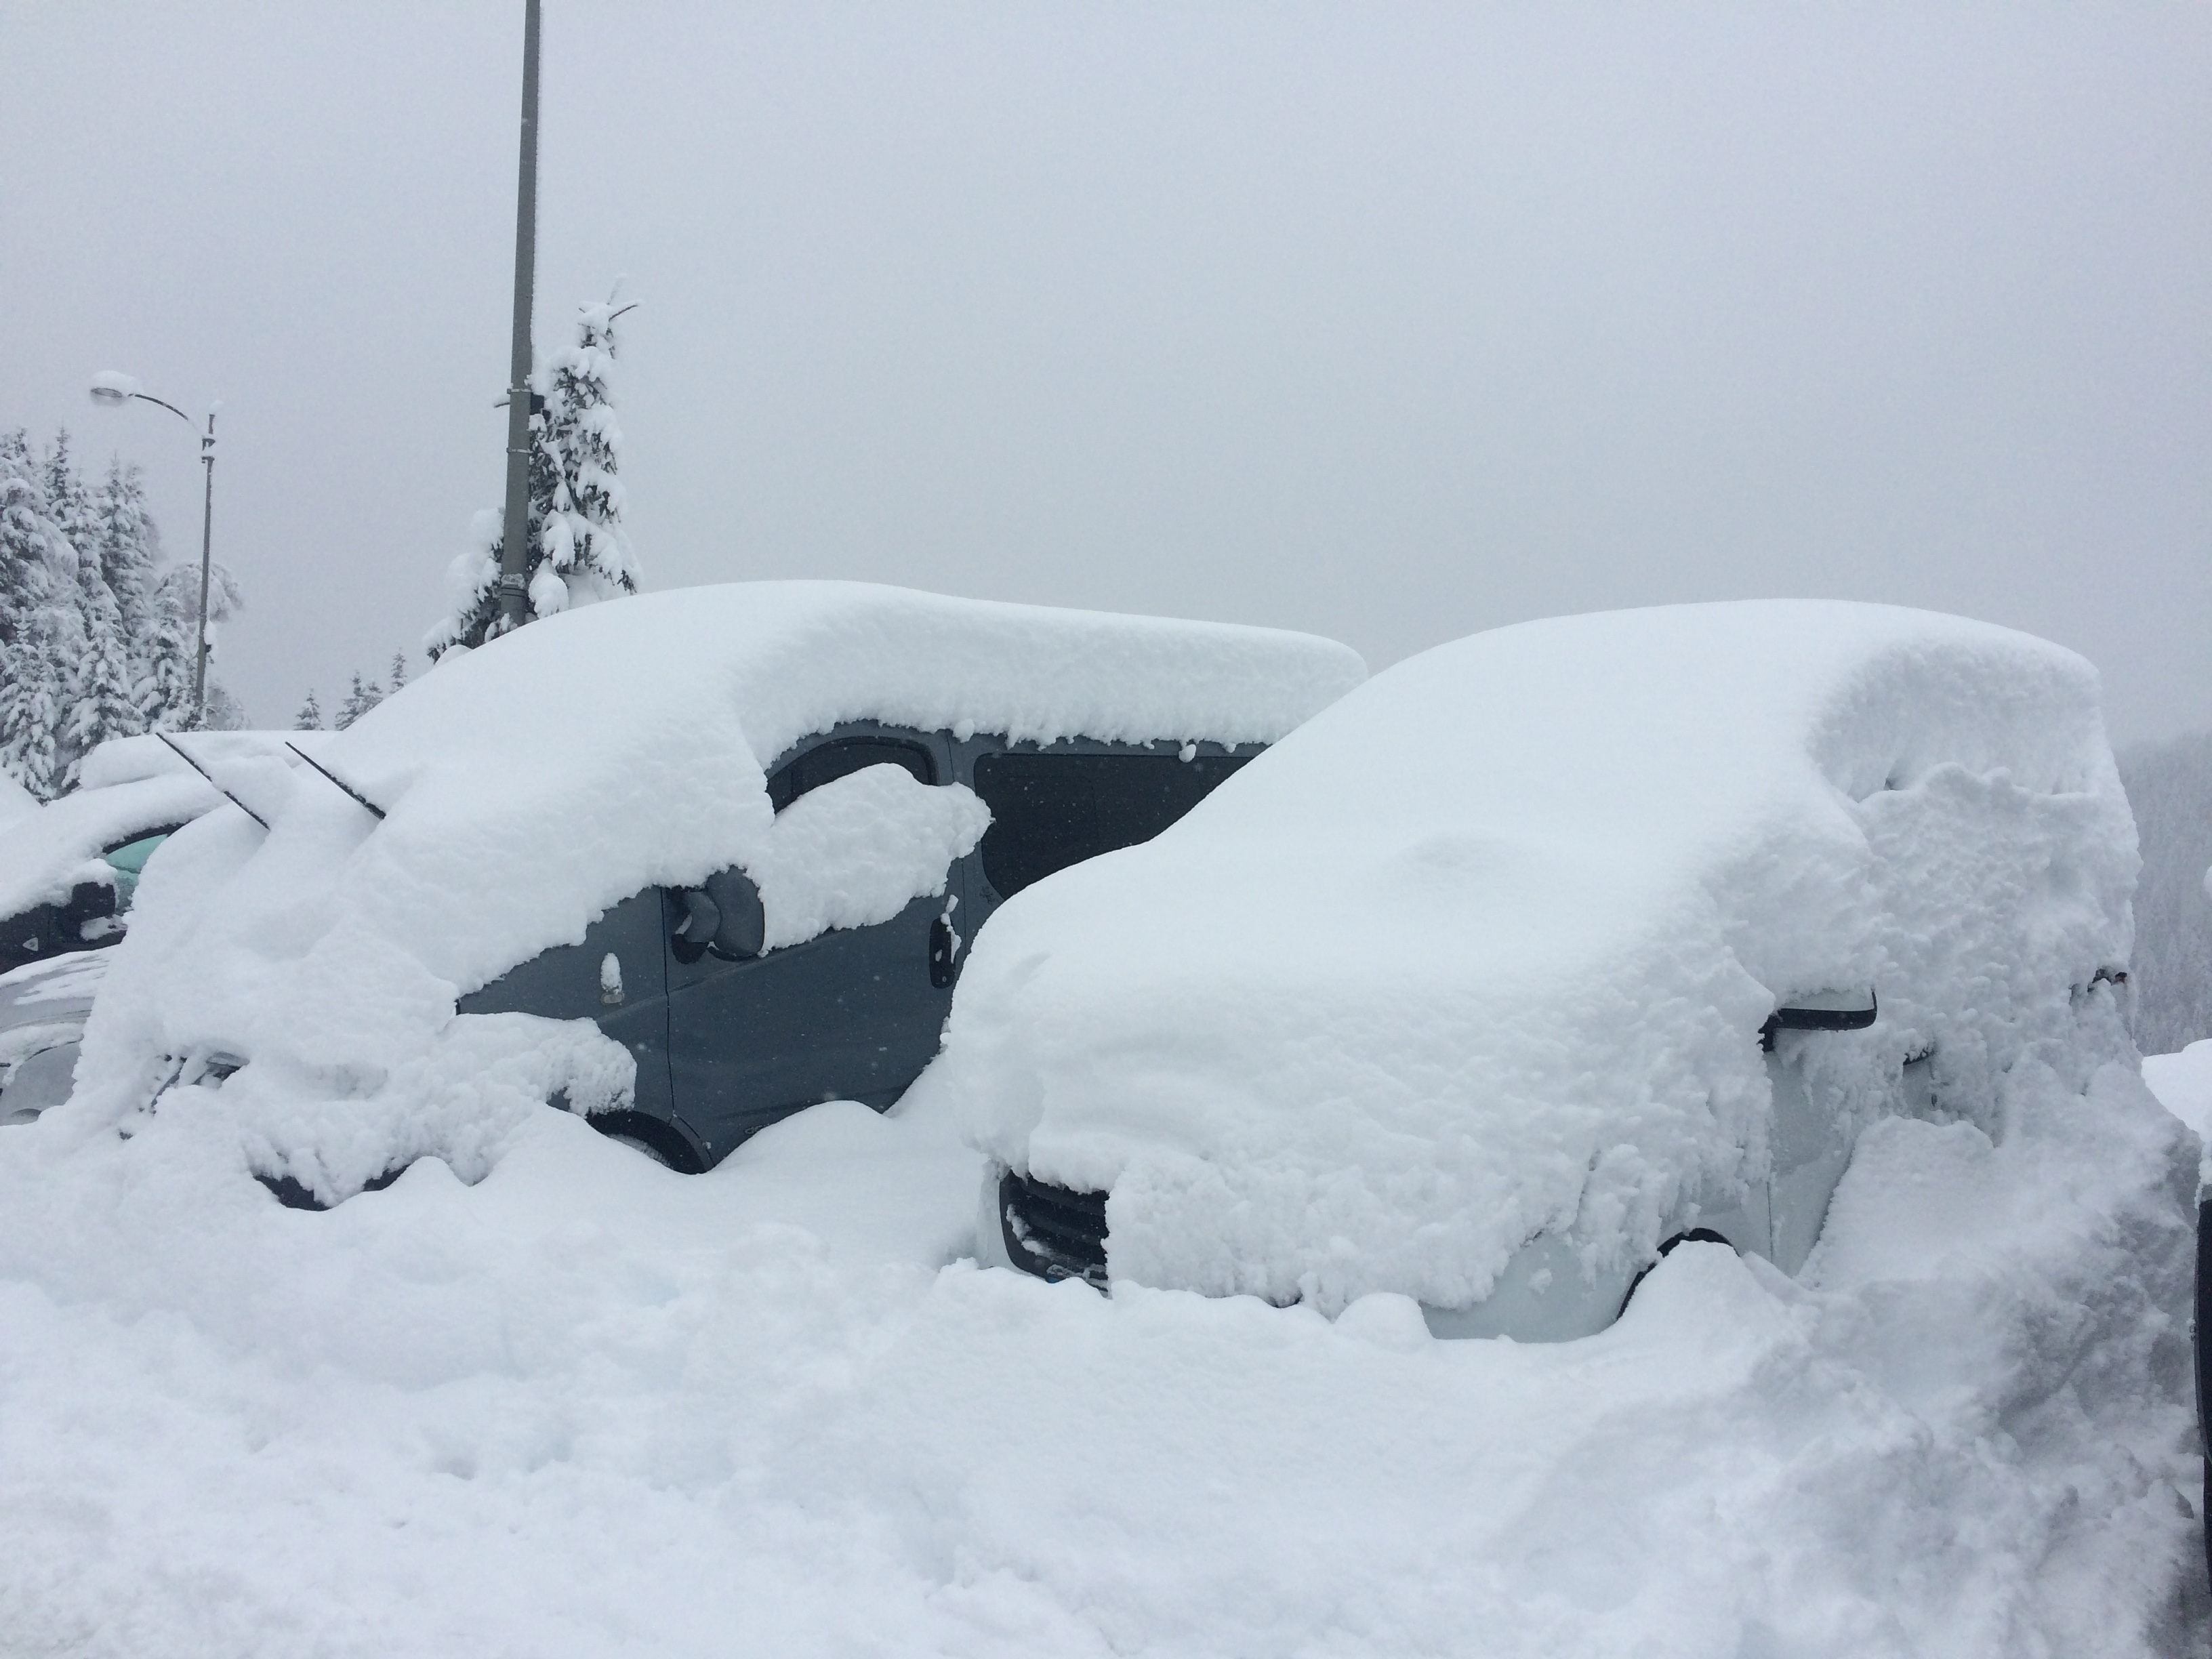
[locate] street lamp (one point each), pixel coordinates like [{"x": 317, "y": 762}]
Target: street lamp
[{"x": 114, "y": 390}]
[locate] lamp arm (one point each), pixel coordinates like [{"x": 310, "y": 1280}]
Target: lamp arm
[{"x": 148, "y": 397}]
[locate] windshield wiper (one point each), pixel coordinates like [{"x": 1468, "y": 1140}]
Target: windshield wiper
[{"x": 210, "y": 776}]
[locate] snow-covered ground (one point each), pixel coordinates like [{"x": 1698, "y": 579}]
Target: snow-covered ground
[
  {"x": 544, "y": 1397},
  {"x": 588, "y": 1407}
]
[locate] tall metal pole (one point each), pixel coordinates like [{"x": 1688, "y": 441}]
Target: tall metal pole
[
  {"x": 514, "y": 555},
  {"x": 207, "y": 545}
]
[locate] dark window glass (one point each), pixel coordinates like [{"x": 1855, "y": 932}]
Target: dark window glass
[
  {"x": 1048, "y": 811},
  {"x": 832, "y": 761}
]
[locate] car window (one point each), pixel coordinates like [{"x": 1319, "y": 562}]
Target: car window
[
  {"x": 132, "y": 856},
  {"x": 128, "y": 862},
  {"x": 832, "y": 761},
  {"x": 1048, "y": 811}
]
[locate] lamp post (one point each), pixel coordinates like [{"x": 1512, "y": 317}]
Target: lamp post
[
  {"x": 114, "y": 390},
  {"x": 515, "y": 542}
]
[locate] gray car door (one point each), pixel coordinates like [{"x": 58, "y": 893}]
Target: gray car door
[
  {"x": 851, "y": 1014},
  {"x": 575, "y": 981}
]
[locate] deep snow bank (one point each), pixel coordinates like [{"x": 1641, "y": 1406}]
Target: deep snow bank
[
  {"x": 588, "y": 1407},
  {"x": 530, "y": 785},
  {"x": 1483, "y": 949}
]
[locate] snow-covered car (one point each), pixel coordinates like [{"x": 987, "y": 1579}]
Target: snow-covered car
[
  {"x": 688, "y": 862},
  {"x": 1550, "y": 948},
  {"x": 68, "y": 868},
  {"x": 43, "y": 1008}
]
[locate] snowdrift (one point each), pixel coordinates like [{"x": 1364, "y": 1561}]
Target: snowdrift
[
  {"x": 1483, "y": 950},
  {"x": 588, "y": 1407},
  {"x": 528, "y": 786}
]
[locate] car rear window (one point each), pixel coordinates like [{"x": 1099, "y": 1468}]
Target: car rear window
[{"x": 1048, "y": 811}]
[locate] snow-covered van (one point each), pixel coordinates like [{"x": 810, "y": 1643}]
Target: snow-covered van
[
  {"x": 1550, "y": 948},
  {"x": 687, "y": 862}
]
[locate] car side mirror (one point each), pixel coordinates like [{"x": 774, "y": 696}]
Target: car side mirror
[
  {"x": 723, "y": 914},
  {"x": 696, "y": 928},
  {"x": 1820, "y": 1011},
  {"x": 741, "y": 923}
]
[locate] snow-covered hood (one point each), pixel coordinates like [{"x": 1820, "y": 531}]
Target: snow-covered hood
[
  {"x": 1484, "y": 949},
  {"x": 530, "y": 785}
]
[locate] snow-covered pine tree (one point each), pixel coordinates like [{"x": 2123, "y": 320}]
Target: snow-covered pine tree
[
  {"x": 224, "y": 712},
  {"x": 39, "y": 631},
  {"x": 359, "y": 701},
  {"x": 128, "y": 545},
  {"x": 576, "y": 497},
  {"x": 69, "y": 504},
  {"x": 96, "y": 699},
  {"x": 578, "y": 553},
  {"x": 34, "y": 699},
  {"x": 310, "y": 717},
  {"x": 24, "y": 554},
  {"x": 100, "y": 703},
  {"x": 399, "y": 673},
  {"x": 165, "y": 694}
]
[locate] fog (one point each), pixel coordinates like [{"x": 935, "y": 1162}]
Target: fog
[{"x": 1388, "y": 322}]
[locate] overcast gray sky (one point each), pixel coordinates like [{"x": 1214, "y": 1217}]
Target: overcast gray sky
[{"x": 1388, "y": 322}]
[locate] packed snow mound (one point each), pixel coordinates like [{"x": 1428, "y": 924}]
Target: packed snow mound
[
  {"x": 528, "y": 786},
  {"x": 587, "y": 1406},
  {"x": 1483, "y": 950}
]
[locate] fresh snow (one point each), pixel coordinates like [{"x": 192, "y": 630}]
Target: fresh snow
[
  {"x": 16, "y": 802},
  {"x": 854, "y": 851},
  {"x": 1482, "y": 951},
  {"x": 2183, "y": 1083},
  {"x": 531, "y": 784},
  {"x": 44, "y": 1004},
  {"x": 127, "y": 786},
  {"x": 47, "y": 852},
  {"x": 587, "y": 1407},
  {"x": 590, "y": 1407}
]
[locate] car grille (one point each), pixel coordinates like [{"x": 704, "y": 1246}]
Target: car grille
[{"x": 1053, "y": 1231}]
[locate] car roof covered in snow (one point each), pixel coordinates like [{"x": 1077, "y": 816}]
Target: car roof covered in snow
[
  {"x": 529, "y": 785},
  {"x": 776, "y": 661},
  {"x": 1485, "y": 948}
]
